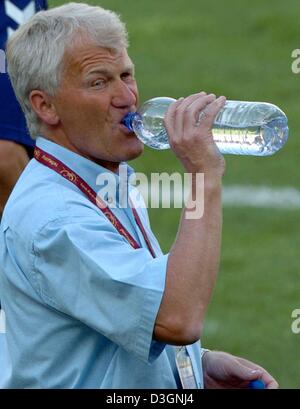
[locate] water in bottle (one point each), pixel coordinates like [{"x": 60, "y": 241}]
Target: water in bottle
[{"x": 240, "y": 128}]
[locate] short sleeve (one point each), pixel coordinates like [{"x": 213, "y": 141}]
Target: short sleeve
[{"x": 86, "y": 269}]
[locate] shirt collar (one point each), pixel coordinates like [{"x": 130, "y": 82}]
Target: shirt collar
[{"x": 88, "y": 170}]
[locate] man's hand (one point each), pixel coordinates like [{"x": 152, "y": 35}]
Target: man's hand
[
  {"x": 224, "y": 371},
  {"x": 189, "y": 123}
]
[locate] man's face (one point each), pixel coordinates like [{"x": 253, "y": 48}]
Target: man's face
[{"x": 96, "y": 91}]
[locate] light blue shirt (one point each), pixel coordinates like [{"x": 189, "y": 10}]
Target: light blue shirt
[{"x": 80, "y": 302}]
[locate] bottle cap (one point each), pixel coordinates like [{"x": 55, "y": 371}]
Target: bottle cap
[
  {"x": 257, "y": 384},
  {"x": 127, "y": 120}
]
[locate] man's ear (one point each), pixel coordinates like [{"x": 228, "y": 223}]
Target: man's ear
[{"x": 43, "y": 107}]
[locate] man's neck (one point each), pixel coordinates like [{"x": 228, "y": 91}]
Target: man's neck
[{"x": 111, "y": 166}]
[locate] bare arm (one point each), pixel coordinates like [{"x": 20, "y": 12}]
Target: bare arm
[
  {"x": 194, "y": 257},
  {"x": 13, "y": 159}
]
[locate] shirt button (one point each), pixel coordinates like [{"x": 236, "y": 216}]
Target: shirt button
[{"x": 110, "y": 200}]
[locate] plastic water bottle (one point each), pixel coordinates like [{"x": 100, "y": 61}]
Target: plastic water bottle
[{"x": 240, "y": 128}]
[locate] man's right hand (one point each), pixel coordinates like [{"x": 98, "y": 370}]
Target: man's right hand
[{"x": 192, "y": 140}]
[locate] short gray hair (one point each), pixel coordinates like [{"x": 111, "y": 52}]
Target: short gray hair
[{"x": 35, "y": 51}]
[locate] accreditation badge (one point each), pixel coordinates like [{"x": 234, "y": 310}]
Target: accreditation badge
[{"x": 185, "y": 368}]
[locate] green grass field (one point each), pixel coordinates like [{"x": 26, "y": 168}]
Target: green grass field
[{"x": 241, "y": 49}]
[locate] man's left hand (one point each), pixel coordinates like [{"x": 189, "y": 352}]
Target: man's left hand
[{"x": 224, "y": 371}]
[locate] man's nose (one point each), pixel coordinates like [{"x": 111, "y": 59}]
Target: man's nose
[{"x": 124, "y": 95}]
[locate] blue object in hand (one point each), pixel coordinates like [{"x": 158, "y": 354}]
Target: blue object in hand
[{"x": 257, "y": 384}]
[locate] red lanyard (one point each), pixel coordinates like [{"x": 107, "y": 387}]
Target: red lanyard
[{"x": 63, "y": 170}]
